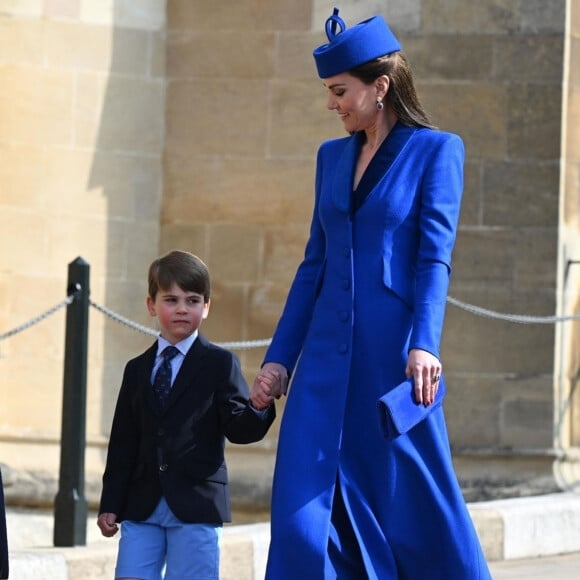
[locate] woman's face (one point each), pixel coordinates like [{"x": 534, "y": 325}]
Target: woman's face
[{"x": 354, "y": 102}]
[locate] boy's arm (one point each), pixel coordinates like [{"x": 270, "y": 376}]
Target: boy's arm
[
  {"x": 122, "y": 450},
  {"x": 242, "y": 423}
]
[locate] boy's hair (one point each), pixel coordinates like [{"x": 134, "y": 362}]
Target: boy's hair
[{"x": 182, "y": 268}]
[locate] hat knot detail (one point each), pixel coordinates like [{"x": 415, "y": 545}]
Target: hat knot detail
[{"x": 332, "y": 22}]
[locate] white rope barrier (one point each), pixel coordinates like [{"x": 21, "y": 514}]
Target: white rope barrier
[{"x": 260, "y": 343}]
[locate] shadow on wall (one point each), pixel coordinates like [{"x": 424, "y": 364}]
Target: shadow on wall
[{"x": 127, "y": 168}]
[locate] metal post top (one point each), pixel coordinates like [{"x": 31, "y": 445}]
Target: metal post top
[{"x": 79, "y": 262}]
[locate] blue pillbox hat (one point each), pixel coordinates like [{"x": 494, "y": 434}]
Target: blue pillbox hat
[{"x": 349, "y": 48}]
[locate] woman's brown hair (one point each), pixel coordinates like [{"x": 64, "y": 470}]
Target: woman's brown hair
[{"x": 401, "y": 96}]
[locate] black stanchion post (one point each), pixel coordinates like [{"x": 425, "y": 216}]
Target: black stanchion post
[{"x": 70, "y": 505}]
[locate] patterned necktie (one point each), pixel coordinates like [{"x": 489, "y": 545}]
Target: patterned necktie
[{"x": 162, "y": 381}]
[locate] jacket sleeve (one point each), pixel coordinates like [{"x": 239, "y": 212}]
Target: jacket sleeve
[
  {"x": 241, "y": 423},
  {"x": 441, "y": 193},
  {"x": 293, "y": 325},
  {"x": 122, "y": 452}
]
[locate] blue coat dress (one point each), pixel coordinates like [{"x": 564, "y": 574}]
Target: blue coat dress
[{"x": 372, "y": 285}]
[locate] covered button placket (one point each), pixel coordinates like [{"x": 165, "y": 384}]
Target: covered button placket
[{"x": 344, "y": 294}]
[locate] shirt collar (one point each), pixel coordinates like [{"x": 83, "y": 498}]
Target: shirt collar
[{"x": 182, "y": 346}]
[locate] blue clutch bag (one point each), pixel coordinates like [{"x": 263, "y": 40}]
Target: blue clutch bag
[{"x": 398, "y": 411}]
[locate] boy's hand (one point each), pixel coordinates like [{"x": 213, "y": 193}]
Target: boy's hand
[{"x": 108, "y": 524}]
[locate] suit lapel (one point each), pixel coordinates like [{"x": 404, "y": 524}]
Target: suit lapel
[
  {"x": 145, "y": 370},
  {"x": 188, "y": 371}
]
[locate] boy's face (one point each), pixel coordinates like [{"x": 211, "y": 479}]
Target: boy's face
[{"x": 178, "y": 311}]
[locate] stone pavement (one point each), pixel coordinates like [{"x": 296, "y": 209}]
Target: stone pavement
[
  {"x": 531, "y": 538},
  {"x": 562, "y": 567}
]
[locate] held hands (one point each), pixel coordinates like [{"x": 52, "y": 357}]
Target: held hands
[
  {"x": 108, "y": 524},
  {"x": 425, "y": 369},
  {"x": 271, "y": 383}
]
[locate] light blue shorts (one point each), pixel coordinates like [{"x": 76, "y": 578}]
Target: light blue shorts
[{"x": 186, "y": 551}]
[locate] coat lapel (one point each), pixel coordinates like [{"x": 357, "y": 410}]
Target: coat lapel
[
  {"x": 342, "y": 190},
  {"x": 344, "y": 175}
]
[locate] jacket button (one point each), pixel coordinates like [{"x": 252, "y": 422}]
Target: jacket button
[
  {"x": 163, "y": 467},
  {"x": 343, "y": 348}
]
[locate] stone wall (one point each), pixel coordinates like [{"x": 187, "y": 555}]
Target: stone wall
[
  {"x": 131, "y": 128},
  {"x": 81, "y": 138},
  {"x": 239, "y": 173},
  {"x": 500, "y": 64},
  {"x": 568, "y": 372}
]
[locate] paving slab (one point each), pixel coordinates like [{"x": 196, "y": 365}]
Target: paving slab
[{"x": 562, "y": 567}]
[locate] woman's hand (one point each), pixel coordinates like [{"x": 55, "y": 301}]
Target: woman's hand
[
  {"x": 271, "y": 383},
  {"x": 425, "y": 369}
]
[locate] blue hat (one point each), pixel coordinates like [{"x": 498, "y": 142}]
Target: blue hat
[{"x": 350, "y": 48}]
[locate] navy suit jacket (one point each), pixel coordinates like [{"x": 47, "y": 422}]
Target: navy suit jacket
[{"x": 178, "y": 452}]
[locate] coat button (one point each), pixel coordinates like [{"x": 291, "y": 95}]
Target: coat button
[
  {"x": 343, "y": 348},
  {"x": 163, "y": 467}
]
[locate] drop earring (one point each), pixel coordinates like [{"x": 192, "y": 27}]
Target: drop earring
[{"x": 380, "y": 105}]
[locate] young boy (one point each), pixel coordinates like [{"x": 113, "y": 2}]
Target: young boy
[{"x": 165, "y": 477}]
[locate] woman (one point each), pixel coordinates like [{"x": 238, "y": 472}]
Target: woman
[{"x": 365, "y": 312}]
